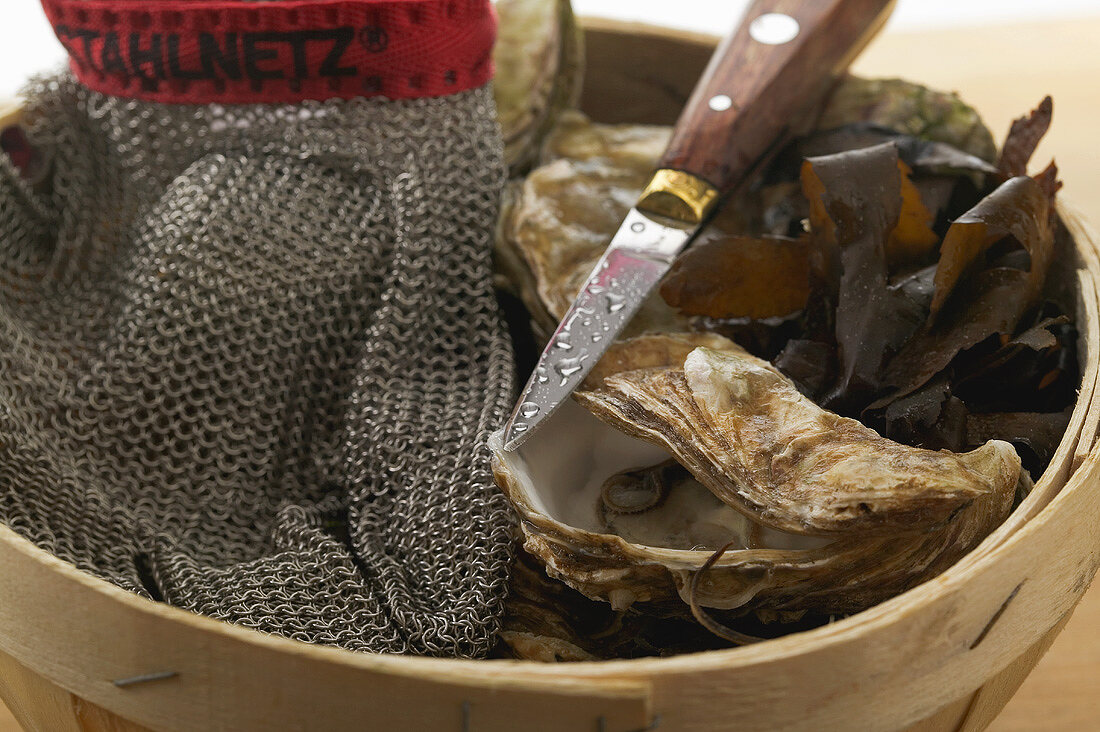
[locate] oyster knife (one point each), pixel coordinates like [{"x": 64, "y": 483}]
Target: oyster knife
[{"x": 761, "y": 82}]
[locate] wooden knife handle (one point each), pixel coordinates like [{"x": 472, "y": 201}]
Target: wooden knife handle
[{"x": 762, "y": 78}]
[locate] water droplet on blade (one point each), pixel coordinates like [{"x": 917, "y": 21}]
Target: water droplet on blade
[
  {"x": 528, "y": 410},
  {"x": 518, "y": 427},
  {"x": 615, "y": 302},
  {"x": 566, "y": 367}
]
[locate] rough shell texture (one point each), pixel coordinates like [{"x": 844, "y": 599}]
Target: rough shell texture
[
  {"x": 911, "y": 109},
  {"x": 556, "y": 495},
  {"x": 546, "y": 620},
  {"x": 557, "y": 221},
  {"x": 744, "y": 430},
  {"x": 539, "y": 65}
]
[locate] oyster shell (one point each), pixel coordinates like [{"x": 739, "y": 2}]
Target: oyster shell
[
  {"x": 538, "y": 57},
  {"x": 911, "y": 109},
  {"x": 546, "y": 620},
  {"x": 634, "y": 147},
  {"x": 757, "y": 443},
  {"x": 557, "y": 222},
  {"x": 556, "y": 482}
]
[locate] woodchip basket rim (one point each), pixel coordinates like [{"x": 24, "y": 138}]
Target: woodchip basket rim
[{"x": 775, "y": 649}]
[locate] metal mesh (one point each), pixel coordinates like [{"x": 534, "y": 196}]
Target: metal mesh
[{"x": 250, "y": 356}]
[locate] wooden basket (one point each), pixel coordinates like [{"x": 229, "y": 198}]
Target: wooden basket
[{"x": 77, "y": 653}]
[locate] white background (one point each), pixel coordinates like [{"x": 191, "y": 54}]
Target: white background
[{"x": 27, "y": 45}]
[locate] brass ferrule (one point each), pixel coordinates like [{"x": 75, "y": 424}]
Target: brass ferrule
[{"x": 678, "y": 195}]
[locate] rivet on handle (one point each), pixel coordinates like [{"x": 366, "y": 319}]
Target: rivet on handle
[
  {"x": 774, "y": 29},
  {"x": 720, "y": 102}
]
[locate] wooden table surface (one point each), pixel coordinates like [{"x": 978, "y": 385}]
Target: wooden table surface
[{"x": 1004, "y": 71}]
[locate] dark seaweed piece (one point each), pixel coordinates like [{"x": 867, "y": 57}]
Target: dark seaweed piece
[
  {"x": 1039, "y": 337},
  {"x": 727, "y": 276},
  {"x": 993, "y": 299},
  {"x": 1034, "y": 435},
  {"x": 1034, "y": 371},
  {"x": 1048, "y": 181},
  {"x": 811, "y": 365},
  {"x": 1017, "y": 209},
  {"x": 931, "y": 417},
  {"x": 856, "y": 202},
  {"x": 1023, "y": 137},
  {"x": 764, "y": 338},
  {"x": 912, "y": 240},
  {"x": 938, "y": 168}
]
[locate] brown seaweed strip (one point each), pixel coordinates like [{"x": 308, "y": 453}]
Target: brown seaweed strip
[
  {"x": 994, "y": 299},
  {"x": 1023, "y": 137},
  {"x": 703, "y": 617},
  {"x": 740, "y": 276},
  {"x": 1040, "y": 432},
  {"x": 1018, "y": 209},
  {"x": 856, "y": 201}
]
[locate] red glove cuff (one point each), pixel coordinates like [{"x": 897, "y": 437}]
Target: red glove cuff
[{"x": 232, "y": 51}]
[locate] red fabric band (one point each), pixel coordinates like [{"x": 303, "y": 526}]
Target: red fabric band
[{"x": 231, "y": 51}]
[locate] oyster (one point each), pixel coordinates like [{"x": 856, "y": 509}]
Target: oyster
[
  {"x": 539, "y": 66},
  {"x": 561, "y": 494},
  {"x": 757, "y": 443},
  {"x": 910, "y": 109},
  {"x": 634, "y": 147},
  {"x": 557, "y": 222}
]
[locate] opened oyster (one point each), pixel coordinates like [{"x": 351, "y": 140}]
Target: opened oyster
[
  {"x": 538, "y": 61},
  {"x": 596, "y": 480}
]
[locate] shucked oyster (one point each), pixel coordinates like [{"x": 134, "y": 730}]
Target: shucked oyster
[
  {"x": 558, "y": 482},
  {"x": 538, "y": 61}
]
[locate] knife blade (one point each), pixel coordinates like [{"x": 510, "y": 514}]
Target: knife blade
[
  {"x": 638, "y": 257},
  {"x": 761, "y": 80}
]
